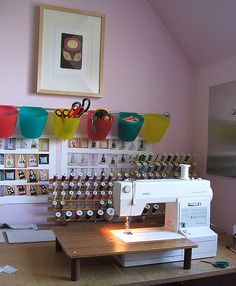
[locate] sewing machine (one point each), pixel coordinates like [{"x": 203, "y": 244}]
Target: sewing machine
[{"x": 187, "y": 214}]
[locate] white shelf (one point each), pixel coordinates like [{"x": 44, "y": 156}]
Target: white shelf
[
  {"x": 103, "y": 151},
  {"x": 23, "y": 199}
]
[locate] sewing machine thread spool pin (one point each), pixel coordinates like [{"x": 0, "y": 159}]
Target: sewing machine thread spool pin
[
  {"x": 99, "y": 214},
  {"x": 79, "y": 214},
  {"x": 68, "y": 215}
]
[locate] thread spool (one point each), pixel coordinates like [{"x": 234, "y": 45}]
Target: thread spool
[
  {"x": 95, "y": 185},
  {"x": 99, "y": 214},
  {"x": 80, "y": 176},
  {"x": 86, "y": 194},
  {"x": 57, "y": 215},
  {"x": 101, "y": 203},
  {"x": 157, "y": 175},
  {"x": 126, "y": 176},
  {"x": 155, "y": 208},
  {"x": 157, "y": 166},
  {"x": 109, "y": 204},
  {"x": 144, "y": 175},
  {"x": 109, "y": 194},
  {"x": 78, "y": 194},
  {"x": 138, "y": 175},
  {"x": 102, "y": 186},
  {"x": 146, "y": 209},
  {"x": 95, "y": 177},
  {"x": 87, "y": 186},
  {"x": 71, "y": 185},
  {"x": 63, "y": 177},
  {"x": 119, "y": 176},
  {"x": 150, "y": 175},
  {"x": 62, "y": 204},
  {"x": 89, "y": 214},
  {"x": 72, "y": 176},
  {"x": 54, "y": 186},
  {"x": 150, "y": 157},
  {"x": 109, "y": 186},
  {"x": 184, "y": 172},
  {"x": 68, "y": 215},
  {"x": 79, "y": 185},
  {"x": 87, "y": 178},
  {"x": 94, "y": 194},
  {"x": 79, "y": 214},
  {"x": 55, "y": 193},
  {"x": 103, "y": 175},
  {"x": 55, "y": 177},
  {"x": 111, "y": 175},
  {"x": 63, "y": 193},
  {"x": 54, "y": 204},
  {"x": 149, "y": 168},
  {"x": 71, "y": 193},
  {"x": 102, "y": 194},
  {"x": 109, "y": 214}
]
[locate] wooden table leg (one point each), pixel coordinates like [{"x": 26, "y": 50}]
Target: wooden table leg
[
  {"x": 58, "y": 246},
  {"x": 187, "y": 258},
  {"x": 75, "y": 269}
]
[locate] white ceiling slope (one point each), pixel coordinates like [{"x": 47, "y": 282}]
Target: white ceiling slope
[{"x": 205, "y": 30}]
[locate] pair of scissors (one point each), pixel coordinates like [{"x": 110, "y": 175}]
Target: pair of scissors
[
  {"x": 219, "y": 264},
  {"x": 62, "y": 112},
  {"x": 79, "y": 108}
]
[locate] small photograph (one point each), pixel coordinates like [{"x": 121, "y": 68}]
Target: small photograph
[
  {"x": 43, "y": 190},
  {"x": 123, "y": 145},
  {"x": 112, "y": 160},
  {"x": 43, "y": 159},
  {"x": 1, "y": 159},
  {"x": 102, "y": 159},
  {"x": 20, "y": 174},
  {"x": 103, "y": 144},
  {"x": 21, "y": 190},
  {"x": 44, "y": 144},
  {"x": 83, "y": 159},
  {"x": 112, "y": 143},
  {"x": 141, "y": 145},
  {"x": 73, "y": 143},
  {"x": 132, "y": 146},
  {"x": 10, "y": 144},
  {"x": 9, "y": 161},
  {"x": 22, "y": 143},
  {"x": 34, "y": 144},
  {"x": 9, "y": 190},
  {"x": 83, "y": 142},
  {"x": 32, "y": 190},
  {"x": 20, "y": 160},
  {"x": 2, "y": 175},
  {"x": 10, "y": 175},
  {"x": 72, "y": 159},
  {"x": 32, "y": 160},
  {"x": 43, "y": 175},
  {"x": 123, "y": 158},
  {"x": 93, "y": 159},
  {"x": 2, "y": 144},
  {"x": 32, "y": 176}
]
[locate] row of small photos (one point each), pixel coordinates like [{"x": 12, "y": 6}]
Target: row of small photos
[
  {"x": 75, "y": 159},
  {"x": 19, "y": 190},
  {"x": 23, "y": 160},
  {"x": 41, "y": 144},
  {"x": 31, "y": 175},
  {"x": 115, "y": 144}
]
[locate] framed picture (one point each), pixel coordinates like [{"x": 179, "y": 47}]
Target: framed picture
[
  {"x": 43, "y": 159},
  {"x": 10, "y": 175},
  {"x": 70, "y": 59}
]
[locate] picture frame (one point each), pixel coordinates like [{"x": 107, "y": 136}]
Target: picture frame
[
  {"x": 71, "y": 51},
  {"x": 9, "y": 175}
]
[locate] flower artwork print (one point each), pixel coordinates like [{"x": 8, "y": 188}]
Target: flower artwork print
[{"x": 71, "y": 51}]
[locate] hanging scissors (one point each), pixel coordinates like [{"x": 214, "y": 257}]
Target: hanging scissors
[
  {"x": 79, "y": 108},
  {"x": 62, "y": 112},
  {"x": 220, "y": 264}
]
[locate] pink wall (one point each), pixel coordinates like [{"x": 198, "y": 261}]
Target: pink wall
[
  {"x": 144, "y": 70},
  {"x": 224, "y": 201}
]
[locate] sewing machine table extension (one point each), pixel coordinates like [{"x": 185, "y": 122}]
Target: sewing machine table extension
[{"x": 187, "y": 214}]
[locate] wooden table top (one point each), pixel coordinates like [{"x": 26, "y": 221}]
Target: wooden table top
[{"x": 92, "y": 240}]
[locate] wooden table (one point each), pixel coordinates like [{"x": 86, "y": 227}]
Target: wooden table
[{"x": 95, "y": 240}]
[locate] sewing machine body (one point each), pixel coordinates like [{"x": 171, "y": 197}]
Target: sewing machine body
[{"x": 187, "y": 213}]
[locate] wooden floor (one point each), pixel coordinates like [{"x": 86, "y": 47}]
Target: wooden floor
[{"x": 40, "y": 265}]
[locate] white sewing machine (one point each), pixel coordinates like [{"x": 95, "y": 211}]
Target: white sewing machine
[{"x": 187, "y": 214}]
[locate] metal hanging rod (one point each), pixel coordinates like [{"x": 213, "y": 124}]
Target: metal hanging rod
[{"x": 167, "y": 114}]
